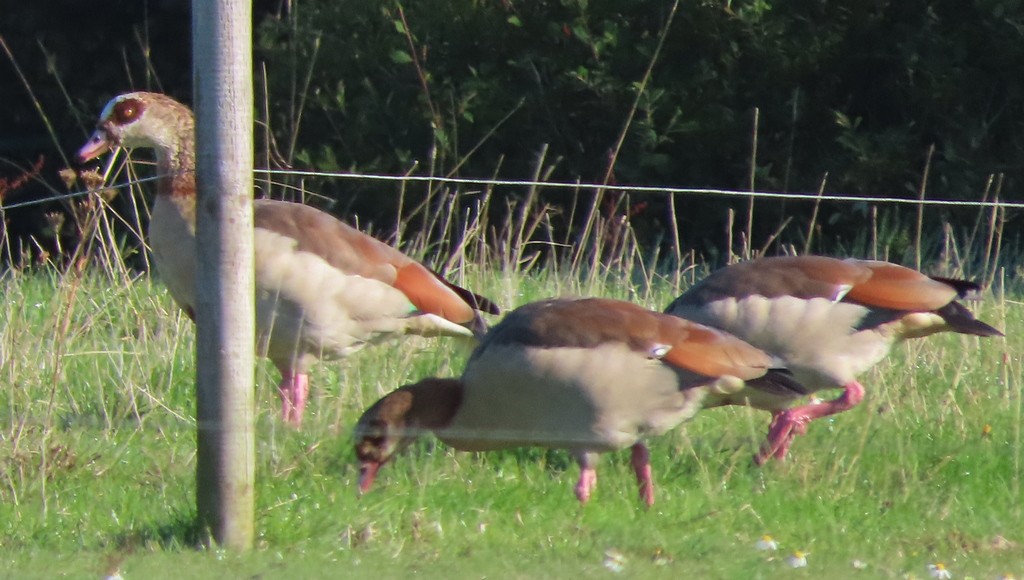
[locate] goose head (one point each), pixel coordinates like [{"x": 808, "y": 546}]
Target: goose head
[
  {"x": 143, "y": 120},
  {"x": 395, "y": 421}
]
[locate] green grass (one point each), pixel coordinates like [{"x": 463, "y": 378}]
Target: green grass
[{"x": 97, "y": 463}]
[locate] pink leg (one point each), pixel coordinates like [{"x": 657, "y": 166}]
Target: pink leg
[
  {"x": 588, "y": 476},
  {"x": 792, "y": 422},
  {"x": 293, "y": 389},
  {"x": 641, "y": 462}
]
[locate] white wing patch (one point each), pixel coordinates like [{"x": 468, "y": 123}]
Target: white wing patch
[
  {"x": 841, "y": 291},
  {"x": 658, "y": 351}
]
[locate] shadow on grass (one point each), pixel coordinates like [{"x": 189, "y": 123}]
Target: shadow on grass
[{"x": 183, "y": 532}]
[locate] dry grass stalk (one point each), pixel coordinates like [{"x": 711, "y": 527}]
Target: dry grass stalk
[
  {"x": 730, "y": 257},
  {"x": 677, "y": 245},
  {"x": 920, "y": 206},
  {"x": 874, "y": 232},
  {"x": 748, "y": 246},
  {"x": 812, "y": 224},
  {"x": 970, "y": 248},
  {"x": 991, "y": 259},
  {"x": 539, "y": 174}
]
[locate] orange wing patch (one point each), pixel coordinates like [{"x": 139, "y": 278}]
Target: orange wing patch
[
  {"x": 715, "y": 354},
  {"x": 899, "y": 288},
  {"x": 429, "y": 294}
]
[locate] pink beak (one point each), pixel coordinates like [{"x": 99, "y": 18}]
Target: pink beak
[
  {"x": 367, "y": 473},
  {"x": 97, "y": 145}
]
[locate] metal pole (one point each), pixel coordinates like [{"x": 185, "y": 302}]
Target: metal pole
[{"x": 222, "y": 73}]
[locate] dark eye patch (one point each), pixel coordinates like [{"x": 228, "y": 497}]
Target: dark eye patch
[{"x": 127, "y": 111}]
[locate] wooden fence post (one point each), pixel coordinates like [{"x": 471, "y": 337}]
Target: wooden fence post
[{"x": 222, "y": 74}]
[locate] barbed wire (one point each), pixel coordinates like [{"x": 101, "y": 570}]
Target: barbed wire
[{"x": 575, "y": 185}]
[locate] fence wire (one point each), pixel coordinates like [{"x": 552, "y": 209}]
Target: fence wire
[{"x": 573, "y": 185}]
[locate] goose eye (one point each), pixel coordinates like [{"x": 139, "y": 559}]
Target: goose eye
[{"x": 127, "y": 111}]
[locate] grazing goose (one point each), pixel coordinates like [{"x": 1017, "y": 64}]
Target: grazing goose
[
  {"x": 588, "y": 375},
  {"x": 828, "y": 320},
  {"x": 323, "y": 289}
]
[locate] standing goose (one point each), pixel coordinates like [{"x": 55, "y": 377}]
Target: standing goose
[
  {"x": 588, "y": 375},
  {"x": 323, "y": 288},
  {"x": 828, "y": 320}
]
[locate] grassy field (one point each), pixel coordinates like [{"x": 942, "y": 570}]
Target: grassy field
[{"x": 97, "y": 463}]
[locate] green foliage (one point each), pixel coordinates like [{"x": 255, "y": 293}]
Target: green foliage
[{"x": 856, "y": 91}]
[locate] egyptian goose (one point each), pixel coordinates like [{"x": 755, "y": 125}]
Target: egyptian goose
[
  {"x": 828, "y": 320},
  {"x": 588, "y": 375},
  {"x": 323, "y": 289}
]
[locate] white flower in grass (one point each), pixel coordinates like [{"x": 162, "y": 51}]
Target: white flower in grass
[
  {"x": 797, "y": 559},
  {"x": 614, "y": 560},
  {"x": 767, "y": 544},
  {"x": 859, "y": 565},
  {"x": 939, "y": 571}
]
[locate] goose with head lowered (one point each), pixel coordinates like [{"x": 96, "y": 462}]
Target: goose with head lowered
[
  {"x": 588, "y": 375},
  {"x": 323, "y": 288},
  {"x": 828, "y": 320}
]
